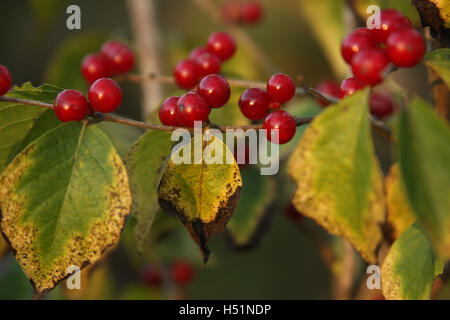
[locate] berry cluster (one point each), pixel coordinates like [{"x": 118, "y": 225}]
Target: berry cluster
[
  {"x": 115, "y": 58},
  {"x": 247, "y": 12},
  {"x": 255, "y": 104},
  {"x": 181, "y": 273},
  {"x": 204, "y": 61},
  {"x": 372, "y": 52}
]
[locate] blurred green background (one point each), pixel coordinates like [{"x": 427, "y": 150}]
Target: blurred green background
[{"x": 300, "y": 37}]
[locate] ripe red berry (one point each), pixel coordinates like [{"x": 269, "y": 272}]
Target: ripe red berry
[
  {"x": 186, "y": 74},
  {"x": 5, "y": 80},
  {"x": 168, "y": 112},
  {"x": 390, "y": 21},
  {"x": 355, "y": 42},
  {"x": 273, "y": 105},
  {"x": 349, "y": 86},
  {"x": 231, "y": 11},
  {"x": 329, "y": 88},
  {"x": 282, "y": 121},
  {"x": 254, "y": 103},
  {"x": 70, "y": 105},
  {"x": 251, "y": 12},
  {"x": 381, "y": 105},
  {"x": 120, "y": 57},
  {"x": 370, "y": 65},
  {"x": 182, "y": 272},
  {"x": 192, "y": 107},
  {"x": 93, "y": 67},
  {"x": 281, "y": 88},
  {"x": 363, "y": 31},
  {"x": 197, "y": 52},
  {"x": 152, "y": 277},
  {"x": 222, "y": 45},
  {"x": 105, "y": 95},
  {"x": 215, "y": 90},
  {"x": 208, "y": 64},
  {"x": 405, "y": 48}
]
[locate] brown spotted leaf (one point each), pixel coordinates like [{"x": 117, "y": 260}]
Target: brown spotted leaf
[
  {"x": 339, "y": 181},
  {"x": 202, "y": 192},
  {"x": 64, "y": 200}
]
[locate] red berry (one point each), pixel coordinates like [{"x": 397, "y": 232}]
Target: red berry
[
  {"x": 231, "y": 11},
  {"x": 5, "y": 80},
  {"x": 405, "y": 48},
  {"x": 363, "y": 31},
  {"x": 369, "y": 66},
  {"x": 186, "y": 74},
  {"x": 120, "y": 57},
  {"x": 70, "y": 105},
  {"x": 391, "y": 21},
  {"x": 152, "y": 277},
  {"x": 105, "y": 95},
  {"x": 93, "y": 67},
  {"x": 215, "y": 90},
  {"x": 222, "y": 45},
  {"x": 168, "y": 112},
  {"x": 355, "y": 42},
  {"x": 381, "y": 105},
  {"x": 273, "y": 105},
  {"x": 197, "y": 52},
  {"x": 349, "y": 86},
  {"x": 208, "y": 64},
  {"x": 282, "y": 121},
  {"x": 182, "y": 272},
  {"x": 329, "y": 88},
  {"x": 281, "y": 88},
  {"x": 251, "y": 12},
  {"x": 192, "y": 107},
  {"x": 254, "y": 103}
]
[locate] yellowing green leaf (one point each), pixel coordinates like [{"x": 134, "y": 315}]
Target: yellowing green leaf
[
  {"x": 17, "y": 120},
  {"x": 64, "y": 200},
  {"x": 145, "y": 164},
  {"x": 424, "y": 161},
  {"x": 339, "y": 181},
  {"x": 400, "y": 215},
  {"x": 409, "y": 268},
  {"x": 203, "y": 195},
  {"x": 439, "y": 61},
  {"x": 3, "y": 247}
]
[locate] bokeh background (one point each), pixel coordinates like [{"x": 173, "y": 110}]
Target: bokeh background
[{"x": 301, "y": 38}]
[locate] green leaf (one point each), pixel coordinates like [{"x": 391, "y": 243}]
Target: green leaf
[
  {"x": 424, "y": 159},
  {"x": 122, "y": 137},
  {"x": 204, "y": 193},
  {"x": 257, "y": 195},
  {"x": 64, "y": 200},
  {"x": 64, "y": 67},
  {"x": 3, "y": 247},
  {"x": 409, "y": 268},
  {"x": 339, "y": 181},
  {"x": 145, "y": 163},
  {"x": 439, "y": 61},
  {"x": 17, "y": 120},
  {"x": 400, "y": 215}
]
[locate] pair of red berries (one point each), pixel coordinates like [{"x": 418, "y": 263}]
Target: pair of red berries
[
  {"x": 381, "y": 104},
  {"x": 182, "y": 273},
  {"x": 104, "y": 95},
  {"x": 213, "y": 92},
  {"x": 247, "y": 12},
  {"x": 115, "y": 58},
  {"x": 403, "y": 46},
  {"x": 204, "y": 61},
  {"x": 5, "y": 80},
  {"x": 255, "y": 104}
]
